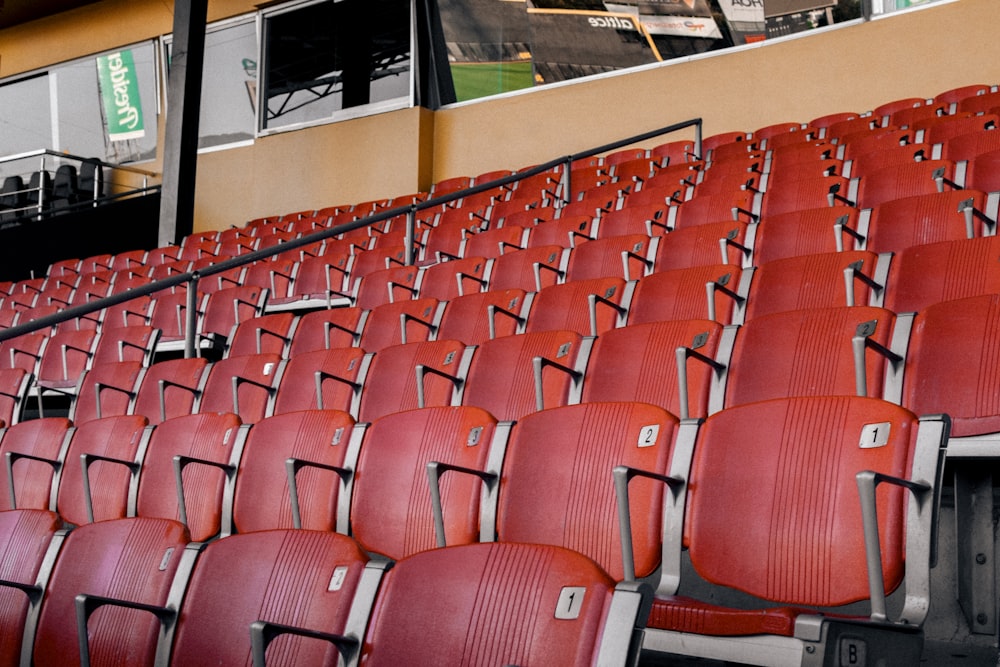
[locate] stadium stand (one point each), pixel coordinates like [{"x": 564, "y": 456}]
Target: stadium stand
[{"x": 692, "y": 389}]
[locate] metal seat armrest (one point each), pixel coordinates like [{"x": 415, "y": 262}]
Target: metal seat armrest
[
  {"x": 292, "y": 467},
  {"x": 262, "y": 633}
]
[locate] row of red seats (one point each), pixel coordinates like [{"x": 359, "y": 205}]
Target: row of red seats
[{"x": 724, "y": 481}]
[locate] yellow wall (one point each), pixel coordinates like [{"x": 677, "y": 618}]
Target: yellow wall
[{"x": 851, "y": 68}]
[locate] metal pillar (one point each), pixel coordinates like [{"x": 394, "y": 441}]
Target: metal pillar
[{"x": 180, "y": 152}]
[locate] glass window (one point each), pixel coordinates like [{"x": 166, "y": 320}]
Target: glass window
[
  {"x": 324, "y": 58},
  {"x": 25, "y": 115},
  {"x": 229, "y": 83},
  {"x": 102, "y": 106}
]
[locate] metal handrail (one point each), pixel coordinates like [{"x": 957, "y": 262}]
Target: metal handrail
[{"x": 410, "y": 210}]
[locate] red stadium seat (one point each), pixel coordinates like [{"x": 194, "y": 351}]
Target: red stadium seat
[
  {"x": 303, "y": 578},
  {"x": 195, "y": 488},
  {"x": 639, "y": 363},
  {"x": 413, "y": 375},
  {"x": 511, "y": 604},
  {"x": 750, "y": 513},
  {"x": 562, "y": 493},
  {"x": 926, "y": 274},
  {"x": 711, "y": 292},
  {"x": 515, "y": 375},
  {"x": 316, "y": 441},
  {"x": 170, "y": 388},
  {"x": 813, "y": 353},
  {"x": 322, "y": 380},
  {"x": 390, "y": 509},
  {"x": 110, "y": 566},
  {"x": 589, "y": 307},
  {"x": 25, "y": 538},
  {"x": 32, "y": 450},
  {"x": 816, "y": 281}
]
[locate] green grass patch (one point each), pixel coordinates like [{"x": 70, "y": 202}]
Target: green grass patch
[{"x": 483, "y": 79}]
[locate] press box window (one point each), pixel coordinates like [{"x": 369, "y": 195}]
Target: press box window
[{"x": 323, "y": 59}]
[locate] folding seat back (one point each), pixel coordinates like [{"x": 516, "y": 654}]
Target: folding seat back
[
  {"x": 562, "y": 494},
  {"x": 918, "y": 178},
  {"x": 169, "y": 315},
  {"x": 911, "y": 116},
  {"x": 107, "y": 389},
  {"x": 243, "y": 385},
  {"x": 447, "y": 239},
  {"x": 567, "y": 231},
  {"x": 32, "y": 452},
  {"x": 328, "y": 329},
  {"x": 898, "y": 224},
  {"x": 813, "y": 353},
  {"x": 277, "y": 275},
  {"x": 940, "y": 130},
  {"x": 414, "y": 375},
  {"x": 956, "y": 95},
  {"x": 648, "y": 219},
  {"x": 391, "y": 512},
  {"x": 447, "y": 280},
  {"x": 170, "y": 388},
  {"x": 640, "y": 363},
  {"x": 675, "y": 152},
  {"x": 981, "y": 172},
  {"x": 512, "y": 376},
  {"x": 125, "y": 343},
  {"x": 529, "y": 270},
  {"x": 134, "y": 312},
  {"x": 319, "y": 280},
  {"x": 805, "y": 193},
  {"x": 226, "y": 308},
  {"x": 961, "y": 383},
  {"x": 589, "y": 307},
  {"x": 867, "y": 141},
  {"x": 926, "y": 274},
  {"x": 382, "y": 257},
  {"x": 713, "y": 292},
  {"x": 14, "y": 386},
  {"x": 322, "y": 380},
  {"x": 399, "y": 322},
  {"x": 132, "y": 562},
  {"x": 983, "y": 102},
  {"x": 628, "y": 256},
  {"x": 494, "y": 242},
  {"x": 740, "y": 142},
  {"x": 25, "y": 538},
  {"x": 804, "y": 232},
  {"x": 24, "y": 351},
  {"x": 386, "y": 286},
  {"x": 99, "y": 479},
  {"x": 474, "y": 318},
  {"x": 188, "y": 471},
  {"x": 512, "y": 604},
  {"x": 265, "y": 498},
  {"x": 703, "y": 210},
  {"x": 891, "y": 156},
  {"x": 267, "y": 333},
  {"x": 636, "y": 170},
  {"x": 726, "y": 242},
  {"x": 757, "y": 474},
  {"x": 853, "y": 277},
  {"x": 278, "y": 578}
]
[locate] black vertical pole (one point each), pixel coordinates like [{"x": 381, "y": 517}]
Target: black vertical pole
[{"x": 180, "y": 152}]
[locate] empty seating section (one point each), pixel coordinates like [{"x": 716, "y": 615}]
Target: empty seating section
[{"x": 654, "y": 371}]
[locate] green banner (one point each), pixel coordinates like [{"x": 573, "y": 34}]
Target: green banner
[{"x": 116, "y": 77}]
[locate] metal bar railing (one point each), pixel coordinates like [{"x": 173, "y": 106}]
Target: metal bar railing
[{"x": 191, "y": 278}]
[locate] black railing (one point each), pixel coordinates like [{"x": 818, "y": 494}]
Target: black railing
[{"x": 191, "y": 278}]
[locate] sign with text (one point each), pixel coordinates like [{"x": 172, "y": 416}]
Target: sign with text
[{"x": 119, "y": 87}]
